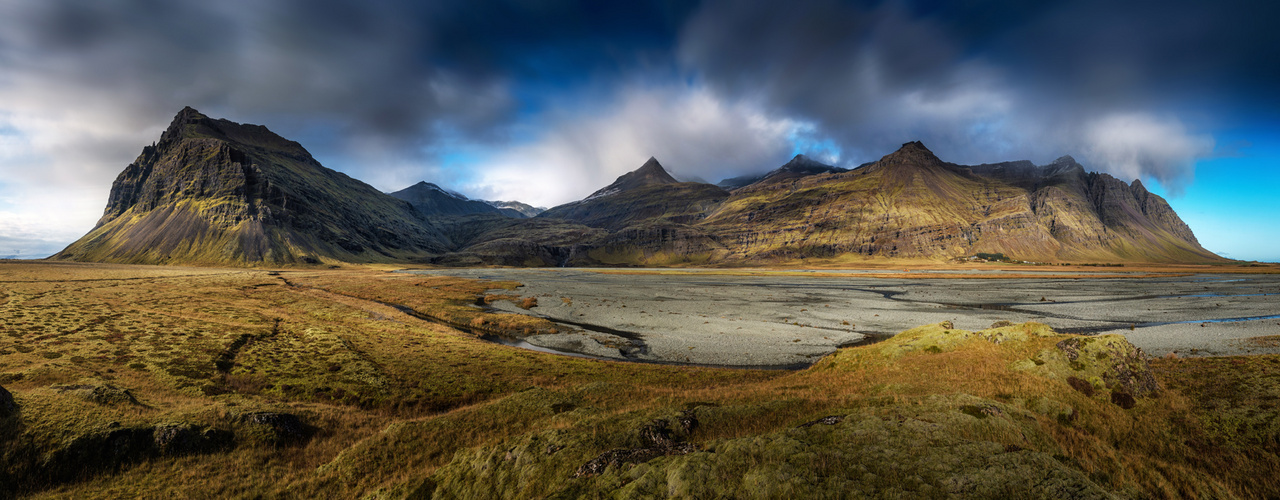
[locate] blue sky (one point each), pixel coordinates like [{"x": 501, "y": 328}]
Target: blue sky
[{"x": 545, "y": 102}]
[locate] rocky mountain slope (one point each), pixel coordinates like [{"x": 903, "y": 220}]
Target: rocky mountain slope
[{"x": 218, "y": 192}]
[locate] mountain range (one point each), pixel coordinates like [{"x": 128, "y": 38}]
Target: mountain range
[{"x": 213, "y": 191}]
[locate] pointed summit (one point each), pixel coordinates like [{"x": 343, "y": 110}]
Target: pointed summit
[
  {"x": 648, "y": 174},
  {"x": 910, "y": 154}
]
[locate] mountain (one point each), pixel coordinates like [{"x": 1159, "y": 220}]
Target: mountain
[
  {"x": 799, "y": 166},
  {"x": 910, "y": 204},
  {"x": 648, "y": 193},
  {"x": 649, "y": 174},
  {"x": 218, "y": 192},
  {"x": 523, "y": 209},
  {"x": 432, "y": 200}
]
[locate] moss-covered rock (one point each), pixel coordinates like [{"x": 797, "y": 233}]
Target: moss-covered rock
[{"x": 1115, "y": 368}]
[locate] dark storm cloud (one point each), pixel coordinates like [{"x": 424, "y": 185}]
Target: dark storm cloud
[
  {"x": 986, "y": 81},
  {"x": 388, "y": 81},
  {"x": 392, "y": 70}
]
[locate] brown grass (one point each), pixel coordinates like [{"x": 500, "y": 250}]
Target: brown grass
[{"x": 397, "y": 396}]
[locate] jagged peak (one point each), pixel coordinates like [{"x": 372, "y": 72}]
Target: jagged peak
[{"x": 1065, "y": 160}]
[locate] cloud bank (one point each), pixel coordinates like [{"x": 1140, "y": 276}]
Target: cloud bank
[{"x": 547, "y": 101}]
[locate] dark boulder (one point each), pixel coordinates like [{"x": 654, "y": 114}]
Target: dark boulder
[{"x": 7, "y": 405}]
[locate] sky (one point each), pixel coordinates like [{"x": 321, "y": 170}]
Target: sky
[{"x": 546, "y": 101}]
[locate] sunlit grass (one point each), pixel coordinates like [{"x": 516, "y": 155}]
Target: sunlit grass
[{"x": 396, "y": 398}]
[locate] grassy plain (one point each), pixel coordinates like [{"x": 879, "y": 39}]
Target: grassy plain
[{"x": 103, "y": 360}]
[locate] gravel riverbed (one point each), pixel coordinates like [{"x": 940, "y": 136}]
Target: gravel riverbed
[{"x": 790, "y": 319}]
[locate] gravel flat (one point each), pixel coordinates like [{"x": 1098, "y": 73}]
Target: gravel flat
[{"x": 790, "y": 319}]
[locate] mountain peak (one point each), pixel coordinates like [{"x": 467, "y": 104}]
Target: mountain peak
[
  {"x": 648, "y": 174},
  {"x": 801, "y": 166},
  {"x": 1064, "y": 160},
  {"x": 912, "y": 153},
  {"x": 187, "y": 117},
  {"x": 189, "y": 124},
  {"x": 652, "y": 167},
  {"x": 217, "y": 191}
]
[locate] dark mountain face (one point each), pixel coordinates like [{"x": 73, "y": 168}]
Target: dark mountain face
[
  {"x": 218, "y": 192},
  {"x": 434, "y": 201}
]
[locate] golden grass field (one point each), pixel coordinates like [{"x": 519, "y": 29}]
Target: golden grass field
[{"x": 392, "y": 405}]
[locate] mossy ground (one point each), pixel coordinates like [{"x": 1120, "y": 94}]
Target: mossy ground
[{"x": 406, "y": 407}]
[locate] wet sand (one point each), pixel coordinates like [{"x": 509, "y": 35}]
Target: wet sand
[{"x": 789, "y": 319}]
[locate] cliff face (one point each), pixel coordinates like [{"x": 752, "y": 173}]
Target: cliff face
[{"x": 218, "y": 192}]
